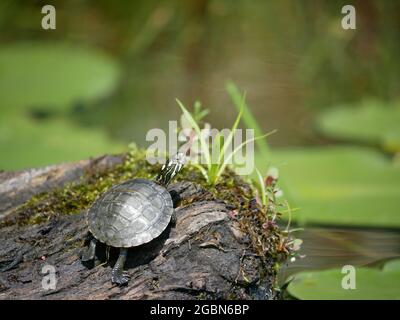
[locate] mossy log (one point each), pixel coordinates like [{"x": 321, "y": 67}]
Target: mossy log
[{"x": 205, "y": 255}]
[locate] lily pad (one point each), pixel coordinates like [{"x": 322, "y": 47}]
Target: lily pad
[
  {"x": 53, "y": 76},
  {"x": 327, "y": 285},
  {"x": 26, "y": 142},
  {"x": 392, "y": 265},
  {"x": 372, "y": 122},
  {"x": 352, "y": 186}
]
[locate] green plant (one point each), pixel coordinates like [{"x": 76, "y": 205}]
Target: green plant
[
  {"x": 262, "y": 188},
  {"x": 215, "y": 154},
  {"x": 248, "y": 117},
  {"x": 269, "y": 194}
]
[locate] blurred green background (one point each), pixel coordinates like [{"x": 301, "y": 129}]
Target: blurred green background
[{"x": 112, "y": 70}]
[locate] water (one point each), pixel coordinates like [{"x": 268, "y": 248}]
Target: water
[{"x": 326, "y": 248}]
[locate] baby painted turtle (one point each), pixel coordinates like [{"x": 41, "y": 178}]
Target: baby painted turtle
[{"x": 132, "y": 213}]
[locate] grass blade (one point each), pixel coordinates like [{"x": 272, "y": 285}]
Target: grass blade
[
  {"x": 262, "y": 188},
  {"x": 234, "y": 127},
  {"x": 226, "y": 161},
  {"x": 248, "y": 117},
  {"x": 202, "y": 170}
]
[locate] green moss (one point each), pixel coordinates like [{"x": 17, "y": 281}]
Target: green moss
[{"x": 78, "y": 196}]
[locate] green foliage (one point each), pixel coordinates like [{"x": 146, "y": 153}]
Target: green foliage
[
  {"x": 340, "y": 185},
  {"x": 199, "y": 113},
  {"x": 370, "y": 284},
  {"x": 262, "y": 188},
  {"x": 216, "y": 153},
  {"x": 248, "y": 118},
  {"x": 371, "y": 122},
  {"x": 52, "y": 76},
  {"x": 49, "y": 78},
  {"x": 195, "y": 126}
]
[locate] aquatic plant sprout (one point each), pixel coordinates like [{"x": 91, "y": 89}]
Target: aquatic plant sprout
[
  {"x": 262, "y": 188},
  {"x": 268, "y": 186},
  {"x": 193, "y": 123},
  {"x": 217, "y": 155}
]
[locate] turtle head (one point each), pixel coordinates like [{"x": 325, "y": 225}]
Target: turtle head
[{"x": 170, "y": 169}]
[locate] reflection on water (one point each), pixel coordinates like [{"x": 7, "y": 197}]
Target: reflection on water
[{"x": 334, "y": 247}]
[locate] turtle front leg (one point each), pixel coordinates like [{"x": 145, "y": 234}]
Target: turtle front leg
[
  {"x": 90, "y": 251},
  {"x": 117, "y": 275}
]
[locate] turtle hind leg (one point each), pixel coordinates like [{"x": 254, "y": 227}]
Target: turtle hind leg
[
  {"x": 89, "y": 253},
  {"x": 117, "y": 275}
]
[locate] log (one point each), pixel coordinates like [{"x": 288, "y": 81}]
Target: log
[{"x": 205, "y": 255}]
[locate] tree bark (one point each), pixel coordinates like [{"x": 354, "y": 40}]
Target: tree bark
[{"x": 204, "y": 255}]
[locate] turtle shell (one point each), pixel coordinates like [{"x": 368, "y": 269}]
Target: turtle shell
[{"x": 131, "y": 213}]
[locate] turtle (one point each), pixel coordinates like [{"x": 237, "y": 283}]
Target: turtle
[{"x": 130, "y": 214}]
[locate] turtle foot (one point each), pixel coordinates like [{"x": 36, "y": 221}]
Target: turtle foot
[
  {"x": 121, "y": 279},
  {"x": 89, "y": 253}
]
